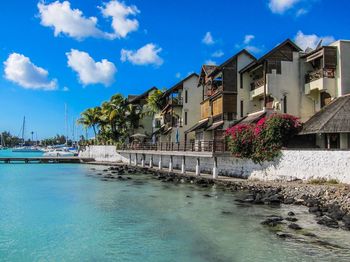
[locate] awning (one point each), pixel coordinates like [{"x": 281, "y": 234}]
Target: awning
[
  {"x": 158, "y": 131},
  {"x": 333, "y": 118},
  {"x": 215, "y": 126},
  {"x": 167, "y": 131},
  {"x": 199, "y": 125},
  {"x": 252, "y": 118}
]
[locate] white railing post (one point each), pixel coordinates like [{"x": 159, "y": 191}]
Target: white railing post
[
  {"x": 160, "y": 164},
  {"x": 143, "y": 160},
  {"x": 171, "y": 164},
  {"x": 198, "y": 171},
  {"x": 215, "y": 168},
  {"x": 151, "y": 161},
  {"x": 183, "y": 165}
]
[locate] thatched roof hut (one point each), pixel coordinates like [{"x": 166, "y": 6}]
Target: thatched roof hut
[{"x": 333, "y": 118}]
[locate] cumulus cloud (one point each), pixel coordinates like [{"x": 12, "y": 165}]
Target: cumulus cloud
[
  {"x": 72, "y": 22},
  {"x": 281, "y": 6},
  {"x": 248, "y": 39},
  {"x": 89, "y": 71},
  {"x": 217, "y": 53},
  {"x": 20, "y": 70},
  {"x": 305, "y": 41},
  {"x": 253, "y": 49},
  {"x": 119, "y": 12},
  {"x": 208, "y": 39},
  {"x": 146, "y": 55}
]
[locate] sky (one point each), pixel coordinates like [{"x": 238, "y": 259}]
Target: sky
[{"x": 80, "y": 52}]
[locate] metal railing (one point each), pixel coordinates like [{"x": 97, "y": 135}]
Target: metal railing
[{"x": 193, "y": 146}]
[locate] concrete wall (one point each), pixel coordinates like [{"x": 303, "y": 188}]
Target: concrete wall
[
  {"x": 291, "y": 165},
  {"x": 102, "y": 154}
]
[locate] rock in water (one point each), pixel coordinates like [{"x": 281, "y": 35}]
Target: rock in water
[{"x": 295, "y": 226}]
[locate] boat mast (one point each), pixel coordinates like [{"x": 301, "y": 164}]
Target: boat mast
[
  {"x": 66, "y": 122},
  {"x": 23, "y": 129}
]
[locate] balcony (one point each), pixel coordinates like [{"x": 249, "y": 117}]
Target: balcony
[
  {"x": 175, "y": 101},
  {"x": 321, "y": 80}
]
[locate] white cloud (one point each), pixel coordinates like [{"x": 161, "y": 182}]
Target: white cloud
[
  {"x": 301, "y": 11},
  {"x": 65, "y": 89},
  {"x": 210, "y": 62},
  {"x": 119, "y": 13},
  {"x": 305, "y": 41},
  {"x": 146, "y": 55},
  {"x": 248, "y": 39},
  {"x": 281, "y": 6},
  {"x": 20, "y": 70},
  {"x": 217, "y": 54},
  {"x": 178, "y": 75},
  {"x": 208, "y": 39},
  {"x": 253, "y": 49},
  {"x": 72, "y": 22},
  {"x": 89, "y": 71}
]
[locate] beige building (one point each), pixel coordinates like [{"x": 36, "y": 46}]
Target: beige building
[
  {"x": 144, "y": 125},
  {"x": 181, "y": 110}
]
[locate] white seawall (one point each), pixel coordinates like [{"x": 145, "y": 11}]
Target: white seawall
[{"x": 292, "y": 164}]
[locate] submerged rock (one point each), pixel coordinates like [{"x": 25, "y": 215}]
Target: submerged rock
[
  {"x": 273, "y": 221},
  {"x": 291, "y": 219},
  {"x": 295, "y": 226},
  {"x": 291, "y": 213},
  {"x": 328, "y": 221},
  {"x": 281, "y": 234}
]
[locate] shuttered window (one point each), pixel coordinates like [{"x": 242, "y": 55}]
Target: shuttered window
[{"x": 217, "y": 106}]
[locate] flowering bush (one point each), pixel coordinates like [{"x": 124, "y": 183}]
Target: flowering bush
[
  {"x": 240, "y": 140},
  {"x": 262, "y": 141}
]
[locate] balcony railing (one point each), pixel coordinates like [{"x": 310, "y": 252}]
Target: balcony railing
[
  {"x": 321, "y": 73},
  {"x": 257, "y": 83},
  {"x": 175, "y": 101},
  {"x": 219, "y": 146},
  {"x": 212, "y": 90}
]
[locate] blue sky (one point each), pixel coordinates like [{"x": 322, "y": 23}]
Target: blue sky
[{"x": 82, "y": 52}]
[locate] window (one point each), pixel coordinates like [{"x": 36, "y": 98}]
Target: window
[
  {"x": 285, "y": 104},
  {"x": 186, "y": 97},
  {"x": 242, "y": 113},
  {"x": 185, "y": 118}
]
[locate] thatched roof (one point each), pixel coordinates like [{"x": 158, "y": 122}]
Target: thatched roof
[{"x": 333, "y": 118}]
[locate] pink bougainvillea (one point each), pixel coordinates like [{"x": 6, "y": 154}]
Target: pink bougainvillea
[{"x": 262, "y": 141}]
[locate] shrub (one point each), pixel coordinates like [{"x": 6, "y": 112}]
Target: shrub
[
  {"x": 240, "y": 140},
  {"x": 263, "y": 140}
]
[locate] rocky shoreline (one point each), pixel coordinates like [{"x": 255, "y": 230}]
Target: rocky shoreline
[{"x": 330, "y": 204}]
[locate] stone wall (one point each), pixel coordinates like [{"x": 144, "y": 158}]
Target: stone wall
[{"x": 291, "y": 165}]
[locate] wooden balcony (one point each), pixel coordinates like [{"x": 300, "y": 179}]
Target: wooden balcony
[
  {"x": 257, "y": 83},
  {"x": 320, "y": 73}
]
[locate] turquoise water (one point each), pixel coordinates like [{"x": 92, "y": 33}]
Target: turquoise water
[{"x": 63, "y": 212}]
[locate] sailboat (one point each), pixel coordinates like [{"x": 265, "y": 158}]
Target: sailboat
[{"x": 23, "y": 148}]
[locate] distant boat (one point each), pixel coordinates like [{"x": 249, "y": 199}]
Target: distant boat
[
  {"x": 26, "y": 149},
  {"x": 59, "y": 152}
]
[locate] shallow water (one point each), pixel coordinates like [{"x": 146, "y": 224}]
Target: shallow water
[{"x": 63, "y": 212}]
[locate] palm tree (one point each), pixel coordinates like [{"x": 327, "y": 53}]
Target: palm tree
[{"x": 90, "y": 118}]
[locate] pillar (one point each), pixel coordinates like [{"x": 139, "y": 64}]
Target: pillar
[
  {"x": 215, "y": 168},
  {"x": 160, "y": 164},
  {"x": 143, "y": 160},
  {"x": 151, "y": 161},
  {"x": 198, "y": 167},
  {"x": 130, "y": 160},
  {"x": 183, "y": 165},
  {"x": 135, "y": 159},
  {"x": 171, "y": 164}
]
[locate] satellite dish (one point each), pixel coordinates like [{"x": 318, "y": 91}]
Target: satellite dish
[{"x": 319, "y": 44}]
